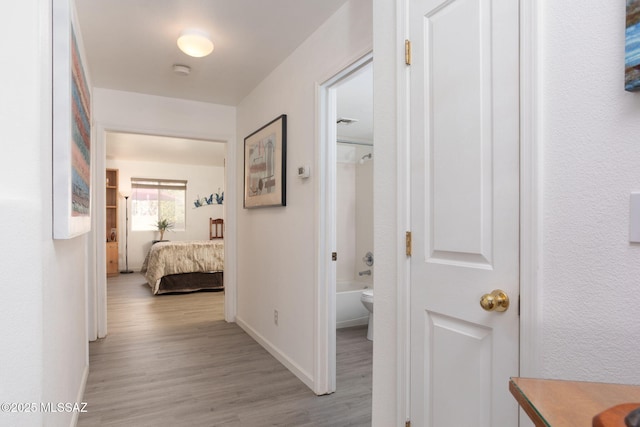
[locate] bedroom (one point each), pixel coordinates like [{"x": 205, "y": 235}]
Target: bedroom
[{"x": 199, "y": 163}]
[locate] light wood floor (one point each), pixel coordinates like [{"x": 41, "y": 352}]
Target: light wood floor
[{"x": 171, "y": 360}]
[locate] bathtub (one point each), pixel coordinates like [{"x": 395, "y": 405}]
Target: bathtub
[{"x": 349, "y": 308}]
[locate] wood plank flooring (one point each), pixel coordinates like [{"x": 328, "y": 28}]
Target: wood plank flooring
[{"x": 171, "y": 360}]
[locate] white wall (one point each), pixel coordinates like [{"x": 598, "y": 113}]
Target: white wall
[
  {"x": 388, "y": 344},
  {"x": 201, "y": 181},
  {"x": 45, "y": 353},
  {"x": 346, "y": 221},
  {"x": 276, "y": 246},
  {"x": 354, "y": 213},
  {"x": 590, "y": 128},
  {"x": 156, "y": 115},
  {"x": 364, "y": 214}
]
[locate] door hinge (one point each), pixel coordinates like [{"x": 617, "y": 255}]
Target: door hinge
[
  {"x": 334, "y": 256},
  {"x": 407, "y": 52},
  {"x": 408, "y": 243}
]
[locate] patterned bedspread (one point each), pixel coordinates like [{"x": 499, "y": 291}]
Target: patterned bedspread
[{"x": 166, "y": 258}]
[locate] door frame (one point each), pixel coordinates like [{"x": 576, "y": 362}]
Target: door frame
[
  {"x": 531, "y": 189},
  {"x": 531, "y": 199},
  {"x": 97, "y": 324},
  {"x": 325, "y": 327}
]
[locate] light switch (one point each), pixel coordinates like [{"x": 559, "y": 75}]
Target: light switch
[{"x": 634, "y": 218}]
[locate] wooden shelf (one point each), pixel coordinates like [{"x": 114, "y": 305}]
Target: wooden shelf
[
  {"x": 111, "y": 231},
  {"x": 557, "y": 403}
]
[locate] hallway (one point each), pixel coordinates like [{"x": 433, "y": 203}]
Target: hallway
[{"x": 172, "y": 360}]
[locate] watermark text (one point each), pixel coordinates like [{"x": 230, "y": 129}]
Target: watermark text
[{"x": 22, "y": 407}]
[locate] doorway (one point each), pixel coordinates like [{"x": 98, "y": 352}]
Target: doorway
[
  {"x": 327, "y": 249},
  {"x": 97, "y": 294},
  {"x": 200, "y": 163}
]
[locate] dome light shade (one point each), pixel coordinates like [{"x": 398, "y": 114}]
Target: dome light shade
[{"x": 195, "y": 43}]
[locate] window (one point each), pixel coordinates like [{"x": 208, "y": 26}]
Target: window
[{"x": 156, "y": 199}]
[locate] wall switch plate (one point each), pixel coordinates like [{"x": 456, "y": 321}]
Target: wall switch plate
[{"x": 634, "y": 218}]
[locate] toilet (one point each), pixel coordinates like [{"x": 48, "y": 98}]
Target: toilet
[{"x": 367, "y": 301}]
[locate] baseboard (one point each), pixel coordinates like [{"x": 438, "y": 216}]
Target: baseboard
[
  {"x": 353, "y": 322},
  {"x": 279, "y": 355},
  {"x": 80, "y": 396}
]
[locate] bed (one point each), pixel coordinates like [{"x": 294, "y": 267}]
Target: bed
[{"x": 184, "y": 266}]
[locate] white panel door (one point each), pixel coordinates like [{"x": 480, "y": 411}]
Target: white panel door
[{"x": 464, "y": 211}]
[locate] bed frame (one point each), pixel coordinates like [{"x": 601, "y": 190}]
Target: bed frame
[{"x": 172, "y": 267}]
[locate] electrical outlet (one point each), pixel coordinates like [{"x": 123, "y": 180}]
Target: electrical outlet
[{"x": 275, "y": 317}]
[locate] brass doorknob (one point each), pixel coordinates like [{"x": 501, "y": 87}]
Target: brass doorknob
[{"x": 495, "y": 301}]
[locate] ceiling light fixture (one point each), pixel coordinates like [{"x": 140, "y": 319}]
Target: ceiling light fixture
[
  {"x": 183, "y": 70},
  {"x": 196, "y": 43}
]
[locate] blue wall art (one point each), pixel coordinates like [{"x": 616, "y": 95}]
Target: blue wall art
[
  {"x": 204, "y": 201},
  {"x": 632, "y": 47}
]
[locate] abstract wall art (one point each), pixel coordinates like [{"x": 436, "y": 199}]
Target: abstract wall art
[
  {"x": 632, "y": 47},
  {"x": 265, "y": 165},
  {"x": 71, "y": 128}
]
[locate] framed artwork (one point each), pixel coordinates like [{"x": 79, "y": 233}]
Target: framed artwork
[
  {"x": 265, "y": 153},
  {"x": 71, "y": 127},
  {"x": 632, "y": 47}
]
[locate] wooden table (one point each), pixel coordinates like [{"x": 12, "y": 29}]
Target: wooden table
[{"x": 556, "y": 403}]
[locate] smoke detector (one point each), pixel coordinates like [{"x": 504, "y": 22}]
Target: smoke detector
[
  {"x": 183, "y": 70},
  {"x": 346, "y": 121}
]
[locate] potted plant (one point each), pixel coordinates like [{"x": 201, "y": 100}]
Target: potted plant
[{"x": 164, "y": 225}]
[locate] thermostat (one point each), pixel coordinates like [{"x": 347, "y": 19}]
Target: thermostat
[{"x": 303, "y": 171}]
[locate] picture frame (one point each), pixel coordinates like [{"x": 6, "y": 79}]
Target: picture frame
[
  {"x": 265, "y": 154},
  {"x": 71, "y": 127},
  {"x": 113, "y": 236},
  {"x": 632, "y": 47}
]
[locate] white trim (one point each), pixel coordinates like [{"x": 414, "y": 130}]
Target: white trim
[
  {"x": 92, "y": 248},
  {"x": 325, "y": 312},
  {"x": 325, "y": 341},
  {"x": 403, "y": 215},
  {"x": 230, "y": 234},
  {"x": 531, "y": 216},
  {"x": 304, "y": 376},
  {"x": 80, "y": 395},
  {"x": 98, "y": 306}
]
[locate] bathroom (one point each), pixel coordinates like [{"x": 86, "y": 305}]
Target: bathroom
[{"x": 354, "y": 201}]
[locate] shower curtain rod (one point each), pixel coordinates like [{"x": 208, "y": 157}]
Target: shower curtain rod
[{"x": 344, "y": 141}]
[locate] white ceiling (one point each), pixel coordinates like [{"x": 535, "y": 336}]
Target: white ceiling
[
  {"x": 355, "y": 101},
  {"x": 131, "y": 46},
  {"x": 150, "y": 148}
]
